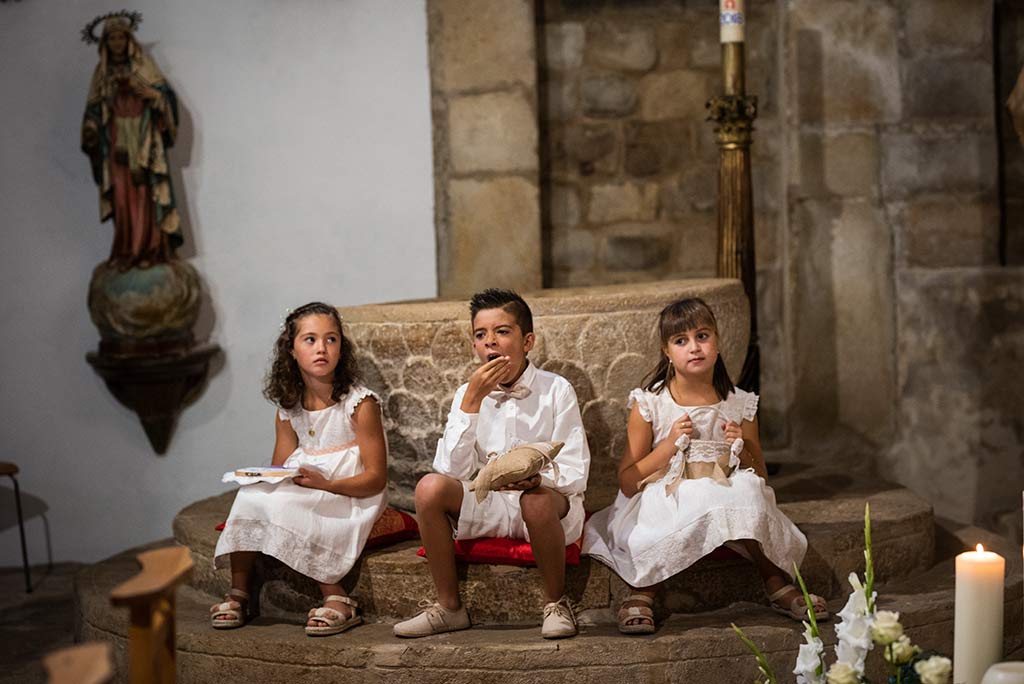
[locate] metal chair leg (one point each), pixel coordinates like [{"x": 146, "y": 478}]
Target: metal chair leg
[{"x": 21, "y": 531}]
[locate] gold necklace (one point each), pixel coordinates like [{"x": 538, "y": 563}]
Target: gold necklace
[{"x": 321, "y": 413}]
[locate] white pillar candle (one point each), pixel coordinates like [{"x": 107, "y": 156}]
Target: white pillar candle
[
  {"x": 732, "y": 20},
  {"x": 1005, "y": 673},
  {"x": 978, "y": 614}
]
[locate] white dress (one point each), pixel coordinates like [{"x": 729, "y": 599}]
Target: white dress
[
  {"x": 315, "y": 532},
  {"x": 663, "y": 530}
]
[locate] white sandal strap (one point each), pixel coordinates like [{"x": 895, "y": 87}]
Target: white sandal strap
[
  {"x": 238, "y": 593},
  {"x": 640, "y": 598},
  {"x": 775, "y": 596},
  {"x": 636, "y": 611},
  {"x": 342, "y": 599},
  {"x": 227, "y": 608}
]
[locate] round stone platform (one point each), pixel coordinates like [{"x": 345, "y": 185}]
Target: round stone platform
[
  {"x": 389, "y": 582},
  {"x": 913, "y": 560},
  {"x": 692, "y": 648}
]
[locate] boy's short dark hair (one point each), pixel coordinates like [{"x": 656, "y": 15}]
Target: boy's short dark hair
[{"x": 506, "y": 300}]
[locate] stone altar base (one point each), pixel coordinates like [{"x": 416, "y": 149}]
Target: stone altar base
[{"x": 601, "y": 339}]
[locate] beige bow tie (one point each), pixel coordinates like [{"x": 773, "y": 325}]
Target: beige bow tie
[{"x": 517, "y": 391}]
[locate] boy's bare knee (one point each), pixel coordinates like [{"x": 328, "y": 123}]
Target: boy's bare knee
[
  {"x": 539, "y": 505},
  {"x": 430, "y": 489},
  {"x": 435, "y": 489}
]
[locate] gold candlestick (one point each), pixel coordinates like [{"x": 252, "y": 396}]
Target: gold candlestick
[{"x": 734, "y": 113}]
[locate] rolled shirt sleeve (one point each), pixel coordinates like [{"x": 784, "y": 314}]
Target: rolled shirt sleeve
[
  {"x": 574, "y": 459},
  {"x": 457, "y": 454},
  {"x": 550, "y": 413}
]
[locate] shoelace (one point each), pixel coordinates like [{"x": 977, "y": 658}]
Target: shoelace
[
  {"x": 434, "y": 612},
  {"x": 564, "y": 607}
]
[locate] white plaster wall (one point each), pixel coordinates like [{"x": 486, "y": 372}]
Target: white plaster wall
[{"x": 304, "y": 173}]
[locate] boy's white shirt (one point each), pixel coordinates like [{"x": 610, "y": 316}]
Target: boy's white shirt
[{"x": 550, "y": 413}]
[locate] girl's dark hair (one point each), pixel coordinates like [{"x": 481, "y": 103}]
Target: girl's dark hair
[
  {"x": 678, "y": 317},
  {"x": 283, "y": 384}
]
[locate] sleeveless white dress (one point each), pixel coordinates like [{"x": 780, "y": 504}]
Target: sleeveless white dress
[
  {"x": 312, "y": 531},
  {"x": 665, "y": 528}
]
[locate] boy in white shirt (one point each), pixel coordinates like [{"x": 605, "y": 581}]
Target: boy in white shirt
[{"x": 506, "y": 402}]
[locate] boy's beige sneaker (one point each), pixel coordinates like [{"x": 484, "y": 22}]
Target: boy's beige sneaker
[
  {"x": 559, "y": 620},
  {"x": 435, "y": 619}
]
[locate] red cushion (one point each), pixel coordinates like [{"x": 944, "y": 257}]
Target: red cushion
[
  {"x": 391, "y": 527},
  {"x": 503, "y": 551}
]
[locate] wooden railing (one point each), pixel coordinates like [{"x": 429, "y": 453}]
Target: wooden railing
[{"x": 149, "y": 596}]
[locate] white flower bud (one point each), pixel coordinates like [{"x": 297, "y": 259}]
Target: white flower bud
[
  {"x": 887, "y": 627},
  {"x": 902, "y": 651},
  {"x": 935, "y": 670},
  {"x": 841, "y": 673}
]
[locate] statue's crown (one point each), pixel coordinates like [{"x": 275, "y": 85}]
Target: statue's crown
[{"x": 133, "y": 18}]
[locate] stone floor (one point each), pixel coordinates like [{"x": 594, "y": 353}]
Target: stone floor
[{"x": 32, "y": 625}]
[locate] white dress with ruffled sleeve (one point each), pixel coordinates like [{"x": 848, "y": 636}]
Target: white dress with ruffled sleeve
[
  {"x": 315, "y": 532},
  {"x": 670, "y": 524}
]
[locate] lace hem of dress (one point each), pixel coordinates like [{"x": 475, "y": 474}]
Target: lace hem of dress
[
  {"x": 318, "y": 562},
  {"x": 679, "y": 545}
]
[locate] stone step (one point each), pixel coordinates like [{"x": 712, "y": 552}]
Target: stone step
[
  {"x": 690, "y": 647},
  {"x": 827, "y": 506}
]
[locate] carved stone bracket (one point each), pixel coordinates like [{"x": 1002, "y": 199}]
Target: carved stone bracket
[{"x": 157, "y": 388}]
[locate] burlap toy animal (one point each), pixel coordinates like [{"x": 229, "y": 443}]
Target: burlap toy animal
[{"x": 520, "y": 463}]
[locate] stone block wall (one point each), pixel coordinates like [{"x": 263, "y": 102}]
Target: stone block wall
[
  {"x": 1010, "y": 24},
  {"x": 953, "y": 431},
  {"x": 895, "y": 286},
  {"x": 483, "y": 72},
  {"x": 877, "y": 166},
  {"x": 842, "y": 86},
  {"x": 629, "y": 166}
]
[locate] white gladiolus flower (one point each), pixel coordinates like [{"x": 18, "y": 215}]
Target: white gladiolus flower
[
  {"x": 841, "y": 673},
  {"x": 846, "y": 653},
  {"x": 809, "y": 659},
  {"x": 935, "y": 670},
  {"x": 902, "y": 651},
  {"x": 886, "y": 628},
  {"x": 856, "y": 632},
  {"x": 807, "y": 662},
  {"x": 854, "y": 628},
  {"x": 857, "y": 604}
]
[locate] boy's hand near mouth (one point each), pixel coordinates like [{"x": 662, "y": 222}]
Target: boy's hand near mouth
[{"x": 483, "y": 381}]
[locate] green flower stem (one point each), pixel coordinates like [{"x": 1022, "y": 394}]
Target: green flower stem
[
  {"x": 807, "y": 601},
  {"x": 869, "y": 565},
  {"x": 762, "y": 662},
  {"x": 810, "y": 614},
  {"x": 894, "y": 666}
]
